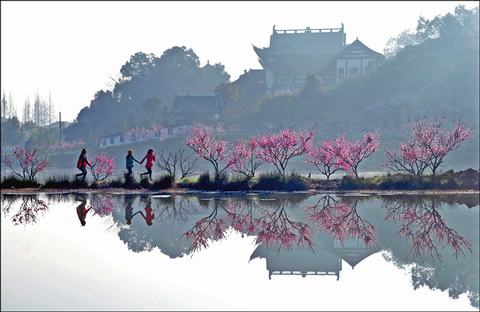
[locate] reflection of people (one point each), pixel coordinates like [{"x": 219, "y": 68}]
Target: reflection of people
[
  {"x": 129, "y": 209},
  {"x": 82, "y": 210},
  {"x": 150, "y": 158},
  {"x": 82, "y": 164},
  {"x": 149, "y": 215}
]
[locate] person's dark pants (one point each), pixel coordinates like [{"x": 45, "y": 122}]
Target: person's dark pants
[
  {"x": 129, "y": 169},
  {"x": 149, "y": 172},
  {"x": 84, "y": 173}
]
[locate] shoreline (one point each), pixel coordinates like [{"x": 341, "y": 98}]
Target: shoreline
[{"x": 120, "y": 191}]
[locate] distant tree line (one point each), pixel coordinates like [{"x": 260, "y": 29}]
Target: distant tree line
[
  {"x": 144, "y": 93},
  {"x": 31, "y": 128}
]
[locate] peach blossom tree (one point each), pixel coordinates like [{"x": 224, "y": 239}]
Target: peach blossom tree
[
  {"x": 203, "y": 141},
  {"x": 28, "y": 160},
  {"x": 352, "y": 153},
  {"x": 102, "y": 167},
  {"x": 279, "y": 148}
]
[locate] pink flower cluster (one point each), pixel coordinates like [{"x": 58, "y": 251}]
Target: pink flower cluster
[
  {"x": 30, "y": 208},
  {"x": 325, "y": 159},
  {"x": 351, "y": 153},
  {"x": 276, "y": 229},
  {"x": 102, "y": 167},
  {"x": 428, "y": 145},
  {"x": 423, "y": 225},
  {"x": 343, "y": 222},
  {"x": 246, "y": 157},
  {"x": 203, "y": 141},
  {"x": 28, "y": 160},
  {"x": 273, "y": 228},
  {"x": 279, "y": 148},
  {"x": 102, "y": 205}
]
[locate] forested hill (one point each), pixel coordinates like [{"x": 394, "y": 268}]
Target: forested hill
[
  {"x": 436, "y": 74},
  {"x": 145, "y": 90}
]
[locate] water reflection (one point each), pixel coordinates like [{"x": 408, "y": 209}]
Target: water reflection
[
  {"x": 341, "y": 220},
  {"x": 436, "y": 238},
  {"x": 423, "y": 225},
  {"x": 29, "y": 210}
]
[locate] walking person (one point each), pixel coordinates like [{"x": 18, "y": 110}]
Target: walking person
[
  {"x": 149, "y": 214},
  {"x": 82, "y": 164},
  {"x": 82, "y": 210},
  {"x": 129, "y": 163},
  {"x": 150, "y": 157},
  {"x": 129, "y": 208}
]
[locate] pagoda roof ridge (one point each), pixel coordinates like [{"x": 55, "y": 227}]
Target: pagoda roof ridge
[{"x": 306, "y": 30}]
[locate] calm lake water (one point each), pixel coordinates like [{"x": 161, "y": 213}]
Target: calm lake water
[{"x": 276, "y": 252}]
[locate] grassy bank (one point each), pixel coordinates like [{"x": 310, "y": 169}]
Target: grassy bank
[{"x": 450, "y": 180}]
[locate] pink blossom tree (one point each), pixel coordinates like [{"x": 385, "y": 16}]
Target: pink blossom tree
[
  {"x": 28, "y": 160},
  {"x": 102, "y": 167},
  {"x": 279, "y": 148},
  {"x": 203, "y": 142},
  {"x": 409, "y": 158},
  {"x": 246, "y": 157},
  {"x": 324, "y": 158},
  {"x": 351, "y": 154},
  {"x": 431, "y": 137}
]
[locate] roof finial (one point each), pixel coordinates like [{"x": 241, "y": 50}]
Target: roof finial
[
  {"x": 208, "y": 62},
  {"x": 274, "y": 29}
]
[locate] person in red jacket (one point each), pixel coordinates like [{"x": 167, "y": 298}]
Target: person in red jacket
[
  {"x": 82, "y": 211},
  {"x": 149, "y": 214},
  {"x": 150, "y": 157},
  {"x": 82, "y": 163}
]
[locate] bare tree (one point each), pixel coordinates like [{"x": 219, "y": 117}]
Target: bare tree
[
  {"x": 26, "y": 111},
  {"x": 187, "y": 163},
  {"x": 177, "y": 162}
]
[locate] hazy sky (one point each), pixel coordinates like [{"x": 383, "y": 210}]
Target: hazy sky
[{"x": 72, "y": 48}]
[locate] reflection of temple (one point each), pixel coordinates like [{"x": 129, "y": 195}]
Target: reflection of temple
[
  {"x": 352, "y": 251},
  {"x": 326, "y": 259}
]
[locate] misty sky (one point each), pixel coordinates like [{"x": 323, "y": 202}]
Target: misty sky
[{"x": 71, "y": 49}]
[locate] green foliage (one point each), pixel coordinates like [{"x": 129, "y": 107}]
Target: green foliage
[
  {"x": 275, "y": 182},
  {"x": 450, "y": 180},
  {"x": 145, "y": 91},
  {"x": 11, "y": 132}
]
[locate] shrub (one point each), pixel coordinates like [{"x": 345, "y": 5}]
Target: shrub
[
  {"x": 15, "y": 182},
  {"x": 63, "y": 182},
  {"x": 275, "y": 182},
  {"x": 145, "y": 183},
  {"x": 164, "y": 182}
]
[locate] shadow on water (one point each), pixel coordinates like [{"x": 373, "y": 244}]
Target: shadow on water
[{"x": 435, "y": 238}]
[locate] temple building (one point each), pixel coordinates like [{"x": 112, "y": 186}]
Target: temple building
[
  {"x": 295, "y": 53},
  {"x": 357, "y": 59},
  {"x": 188, "y": 109}
]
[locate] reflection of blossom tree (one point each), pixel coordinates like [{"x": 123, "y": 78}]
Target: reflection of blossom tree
[
  {"x": 176, "y": 208},
  {"x": 272, "y": 227},
  {"x": 102, "y": 204},
  {"x": 212, "y": 227},
  {"x": 423, "y": 225},
  {"x": 28, "y": 211},
  {"x": 341, "y": 221},
  {"x": 278, "y": 230}
]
